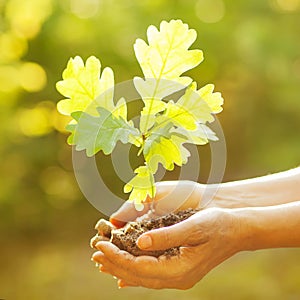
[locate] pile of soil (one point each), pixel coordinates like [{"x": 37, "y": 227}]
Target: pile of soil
[{"x": 125, "y": 238}]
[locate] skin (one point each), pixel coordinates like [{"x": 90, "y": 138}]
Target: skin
[{"x": 246, "y": 215}]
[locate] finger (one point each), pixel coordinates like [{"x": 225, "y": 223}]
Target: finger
[
  {"x": 96, "y": 257},
  {"x": 122, "y": 284},
  {"x": 102, "y": 269},
  {"x": 170, "y": 196},
  {"x": 164, "y": 272},
  {"x": 126, "y": 213},
  {"x": 116, "y": 270},
  {"x": 145, "y": 266},
  {"x": 174, "y": 195},
  {"x": 128, "y": 279},
  {"x": 167, "y": 237},
  {"x": 132, "y": 279}
]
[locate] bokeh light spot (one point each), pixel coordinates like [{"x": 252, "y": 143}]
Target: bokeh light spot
[
  {"x": 84, "y": 9},
  {"x": 210, "y": 11},
  {"x": 8, "y": 79},
  {"x": 33, "y": 78},
  {"x": 12, "y": 47},
  {"x": 288, "y": 5},
  {"x": 59, "y": 121},
  {"x": 26, "y": 17},
  {"x": 61, "y": 185},
  {"x": 35, "y": 121}
]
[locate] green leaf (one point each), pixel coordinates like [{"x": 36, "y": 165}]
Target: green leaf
[
  {"x": 189, "y": 110},
  {"x": 158, "y": 88},
  {"x": 163, "y": 61},
  {"x": 165, "y": 144},
  {"x": 167, "y": 152},
  {"x": 167, "y": 55},
  {"x": 164, "y": 126},
  {"x": 94, "y": 134},
  {"x": 141, "y": 186},
  {"x": 200, "y": 136},
  {"x": 80, "y": 84},
  {"x": 164, "y": 147},
  {"x": 148, "y": 114},
  {"x": 86, "y": 90},
  {"x": 214, "y": 100},
  {"x": 184, "y": 153}
]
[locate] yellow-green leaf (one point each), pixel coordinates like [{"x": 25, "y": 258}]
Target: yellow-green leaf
[
  {"x": 165, "y": 151},
  {"x": 179, "y": 115},
  {"x": 200, "y": 136},
  {"x": 163, "y": 60},
  {"x": 148, "y": 114},
  {"x": 84, "y": 88},
  {"x": 100, "y": 133},
  {"x": 192, "y": 103},
  {"x": 121, "y": 109},
  {"x": 188, "y": 111},
  {"x": 214, "y": 100},
  {"x": 167, "y": 55},
  {"x": 140, "y": 186},
  {"x": 160, "y": 88}
]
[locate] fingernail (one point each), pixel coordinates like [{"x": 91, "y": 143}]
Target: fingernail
[
  {"x": 101, "y": 268},
  {"x": 98, "y": 244},
  {"x": 117, "y": 223},
  {"x": 144, "y": 242}
]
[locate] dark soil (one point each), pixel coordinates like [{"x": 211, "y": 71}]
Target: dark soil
[{"x": 125, "y": 238}]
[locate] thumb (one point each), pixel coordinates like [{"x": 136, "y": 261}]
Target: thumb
[
  {"x": 165, "y": 238},
  {"x": 126, "y": 213}
]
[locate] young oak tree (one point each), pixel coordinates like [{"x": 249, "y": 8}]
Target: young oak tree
[{"x": 164, "y": 127}]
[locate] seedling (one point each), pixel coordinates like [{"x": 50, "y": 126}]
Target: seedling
[{"x": 164, "y": 126}]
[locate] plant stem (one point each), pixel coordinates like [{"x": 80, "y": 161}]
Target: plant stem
[{"x": 152, "y": 209}]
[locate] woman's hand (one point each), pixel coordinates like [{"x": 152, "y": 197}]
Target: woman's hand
[
  {"x": 170, "y": 196},
  {"x": 268, "y": 218},
  {"x": 206, "y": 239},
  {"x": 263, "y": 191}
]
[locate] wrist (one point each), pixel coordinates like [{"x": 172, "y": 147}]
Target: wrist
[
  {"x": 269, "y": 227},
  {"x": 235, "y": 232},
  {"x": 263, "y": 191},
  {"x": 225, "y": 196},
  {"x": 224, "y": 224},
  {"x": 244, "y": 222},
  {"x": 259, "y": 227}
]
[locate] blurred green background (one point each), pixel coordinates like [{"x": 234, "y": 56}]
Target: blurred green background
[{"x": 252, "y": 55}]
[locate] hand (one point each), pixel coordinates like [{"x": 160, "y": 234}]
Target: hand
[
  {"x": 170, "y": 196},
  {"x": 205, "y": 239},
  {"x": 263, "y": 191}
]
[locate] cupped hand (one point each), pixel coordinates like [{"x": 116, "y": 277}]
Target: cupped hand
[
  {"x": 206, "y": 239},
  {"x": 170, "y": 196}
]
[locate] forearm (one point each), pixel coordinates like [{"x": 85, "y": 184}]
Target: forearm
[
  {"x": 268, "y": 227},
  {"x": 268, "y": 190}
]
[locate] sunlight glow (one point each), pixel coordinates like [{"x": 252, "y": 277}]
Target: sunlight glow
[
  {"x": 35, "y": 121},
  {"x": 84, "y": 9},
  {"x": 210, "y": 11},
  {"x": 33, "y": 78}
]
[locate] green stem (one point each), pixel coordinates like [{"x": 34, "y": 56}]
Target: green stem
[{"x": 152, "y": 189}]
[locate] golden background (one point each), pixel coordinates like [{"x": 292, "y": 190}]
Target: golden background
[{"x": 252, "y": 55}]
